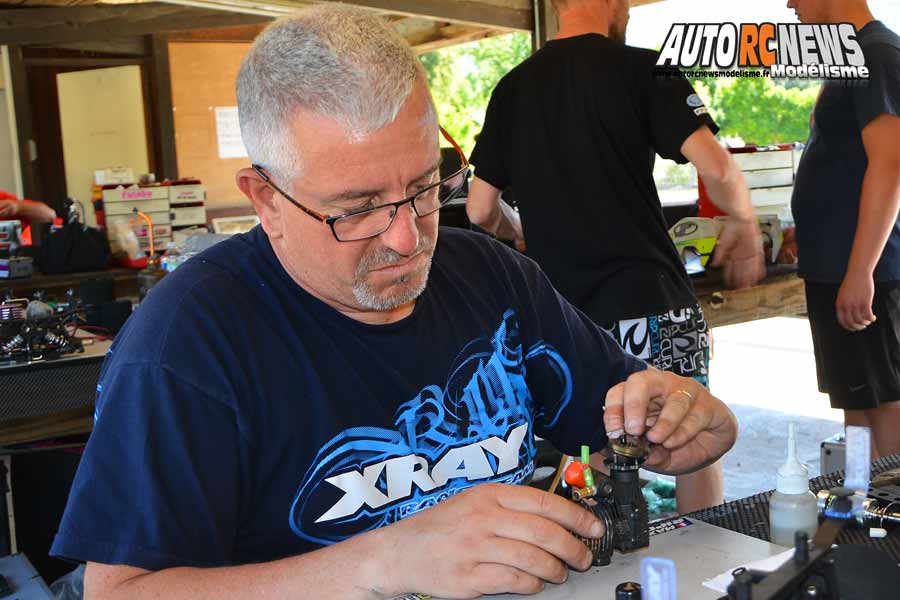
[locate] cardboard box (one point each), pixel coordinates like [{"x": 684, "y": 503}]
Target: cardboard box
[{"x": 113, "y": 175}]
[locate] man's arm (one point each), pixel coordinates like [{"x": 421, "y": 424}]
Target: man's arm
[
  {"x": 34, "y": 212},
  {"x": 879, "y": 205},
  {"x": 485, "y": 209},
  {"x": 739, "y": 247},
  {"x": 347, "y": 570},
  {"x": 515, "y": 538}
]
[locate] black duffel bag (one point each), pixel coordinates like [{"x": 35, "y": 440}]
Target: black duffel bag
[{"x": 73, "y": 248}]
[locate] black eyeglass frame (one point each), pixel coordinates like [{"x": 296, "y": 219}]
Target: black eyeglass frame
[{"x": 330, "y": 220}]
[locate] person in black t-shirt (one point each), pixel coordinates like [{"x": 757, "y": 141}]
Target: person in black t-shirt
[
  {"x": 574, "y": 129},
  {"x": 846, "y": 201}
]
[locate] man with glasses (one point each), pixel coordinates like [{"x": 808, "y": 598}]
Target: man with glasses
[
  {"x": 342, "y": 402},
  {"x": 574, "y": 130}
]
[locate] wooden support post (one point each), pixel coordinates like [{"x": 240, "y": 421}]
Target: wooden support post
[
  {"x": 162, "y": 121},
  {"x": 546, "y": 24},
  {"x": 25, "y": 137}
]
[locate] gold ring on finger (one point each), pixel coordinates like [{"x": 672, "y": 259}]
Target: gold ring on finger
[{"x": 686, "y": 393}]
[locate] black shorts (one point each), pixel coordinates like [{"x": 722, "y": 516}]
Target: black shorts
[{"x": 857, "y": 370}]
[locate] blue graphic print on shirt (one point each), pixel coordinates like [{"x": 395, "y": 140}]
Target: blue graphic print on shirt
[{"x": 479, "y": 427}]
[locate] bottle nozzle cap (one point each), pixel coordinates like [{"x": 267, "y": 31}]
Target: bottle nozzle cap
[{"x": 792, "y": 476}]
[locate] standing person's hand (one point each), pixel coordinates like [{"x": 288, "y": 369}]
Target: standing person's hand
[
  {"x": 490, "y": 539},
  {"x": 739, "y": 249},
  {"x": 854, "y": 301},
  {"x": 687, "y": 426},
  {"x": 9, "y": 209}
]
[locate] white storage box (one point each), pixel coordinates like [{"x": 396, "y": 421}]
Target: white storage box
[
  {"x": 182, "y": 194},
  {"x": 775, "y": 196},
  {"x": 127, "y": 208},
  {"x": 188, "y": 215},
  {"x": 768, "y": 178},
  {"x": 157, "y": 217},
  {"x": 774, "y": 159},
  {"x": 135, "y": 193}
]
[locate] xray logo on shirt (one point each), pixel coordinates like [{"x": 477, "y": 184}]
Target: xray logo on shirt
[{"x": 476, "y": 428}]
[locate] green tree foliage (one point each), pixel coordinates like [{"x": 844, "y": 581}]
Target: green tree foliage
[
  {"x": 462, "y": 79},
  {"x": 759, "y": 110}
]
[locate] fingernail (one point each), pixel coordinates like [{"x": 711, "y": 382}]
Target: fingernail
[
  {"x": 632, "y": 424},
  {"x": 597, "y": 529},
  {"x": 615, "y": 433}
]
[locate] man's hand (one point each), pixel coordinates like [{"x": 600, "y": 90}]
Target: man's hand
[
  {"x": 740, "y": 251},
  {"x": 854, "y": 301},
  {"x": 687, "y": 427},
  {"x": 490, "y": 539},
  {"x": 9, "y": 209},
  {"x": 879, "y": 205}
]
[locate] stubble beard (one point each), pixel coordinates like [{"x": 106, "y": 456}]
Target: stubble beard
[{"x": 404, "y": 289}]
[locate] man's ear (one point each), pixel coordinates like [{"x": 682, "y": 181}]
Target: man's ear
[{"x": 264, "y": 201}]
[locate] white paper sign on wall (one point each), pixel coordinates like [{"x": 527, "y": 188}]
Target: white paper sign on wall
[{"x": 228, "y": 133}]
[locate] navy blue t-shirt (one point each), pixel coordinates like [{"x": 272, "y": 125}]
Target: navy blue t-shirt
[
  {"x": 239, "y": 419},
  {"x": 830, "y": 176}
]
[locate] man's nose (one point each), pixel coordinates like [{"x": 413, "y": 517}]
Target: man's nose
[{"x": 403, "y": 235}]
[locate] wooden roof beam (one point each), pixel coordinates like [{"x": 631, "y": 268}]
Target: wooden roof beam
[
  {"x": 500, "y": 14},
  {"x": 99, "y": 22}
]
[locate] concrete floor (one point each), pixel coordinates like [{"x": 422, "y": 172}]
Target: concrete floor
[{"x": 765, "y": 371}]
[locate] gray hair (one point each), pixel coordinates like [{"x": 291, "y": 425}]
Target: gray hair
[{"x": 334, "y": 60}]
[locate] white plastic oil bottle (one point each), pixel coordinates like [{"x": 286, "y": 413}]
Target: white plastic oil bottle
[{"x": 792, "y": 507}]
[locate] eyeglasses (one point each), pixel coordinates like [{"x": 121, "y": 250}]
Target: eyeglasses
[{"x": 367, "y": 223}]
